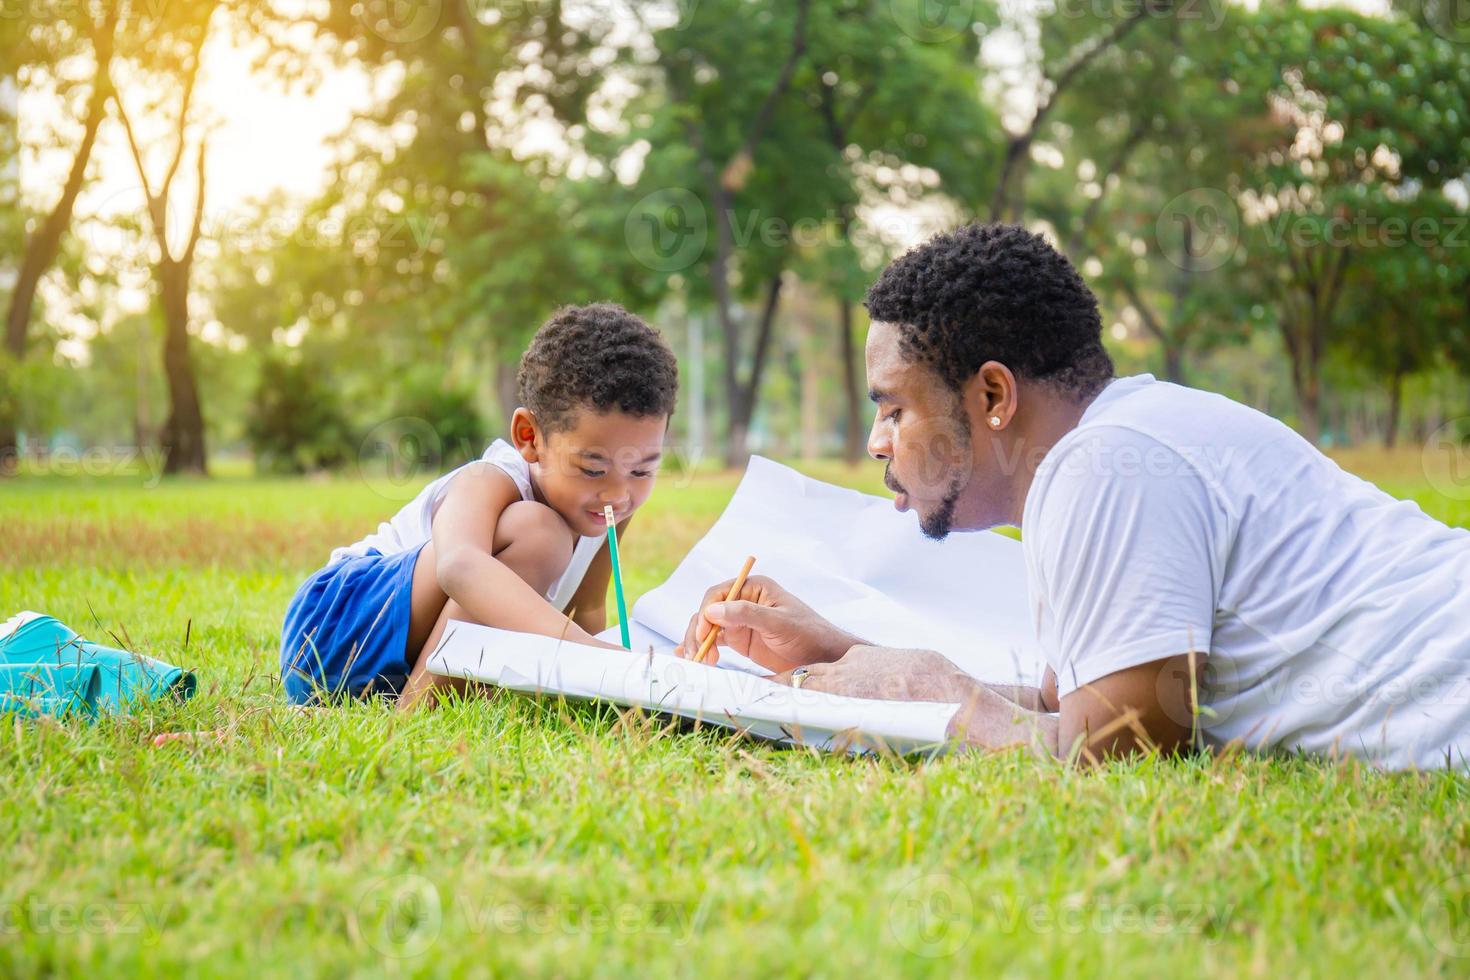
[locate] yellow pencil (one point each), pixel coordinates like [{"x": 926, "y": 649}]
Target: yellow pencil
[{"x": 709, "y": 640}]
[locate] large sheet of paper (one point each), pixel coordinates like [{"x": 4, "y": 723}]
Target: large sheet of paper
[
  {"x": 862, "y": 565},
  {"x": 666, "y": 684}
]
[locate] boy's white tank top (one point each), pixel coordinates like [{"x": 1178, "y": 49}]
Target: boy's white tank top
[{"x": 412, "y": 526}]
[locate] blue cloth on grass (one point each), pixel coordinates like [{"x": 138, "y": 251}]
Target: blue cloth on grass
[
  {"x": 46, "y": 668},
  {"x": 346, "y": 629}
]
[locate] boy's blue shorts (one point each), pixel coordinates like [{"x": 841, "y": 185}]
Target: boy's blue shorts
[{"x": 346, "y": 629}]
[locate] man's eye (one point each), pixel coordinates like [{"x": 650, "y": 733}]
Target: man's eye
[{"x": 893, "y": 415}]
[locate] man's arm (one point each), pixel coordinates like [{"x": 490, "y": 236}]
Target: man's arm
[{"x": 1134, "y": 710}]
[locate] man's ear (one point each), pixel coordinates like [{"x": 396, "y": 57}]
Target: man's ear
[
  {"x": 991, "y": 396},
  {"x": 525, "y": 435}
]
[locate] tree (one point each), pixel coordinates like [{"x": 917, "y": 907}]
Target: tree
[
  {"x": 178, "y": 55},
  {"x": 1153, "y": 140},
  {"x": 724, "y": 111},
  {"x": 1069, "y": 47},
  {"x": 1349, "y": 150},
  {"x": 40, "y": 45},
  {"x": 1402, "y": 300},
  {"x": 888, "y": 104}
]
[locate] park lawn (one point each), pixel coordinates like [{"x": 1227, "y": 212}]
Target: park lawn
[{"x": 507, "y": 835}]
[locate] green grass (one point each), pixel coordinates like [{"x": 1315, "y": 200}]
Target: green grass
[{"x": 509, "y": 835}]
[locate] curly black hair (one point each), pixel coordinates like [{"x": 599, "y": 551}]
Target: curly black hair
[
  {"x": 598, "y": 356},
  {"x": 995, "y": 292}
]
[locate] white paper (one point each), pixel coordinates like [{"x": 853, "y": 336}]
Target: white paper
[
  {"x": 663, "y": 683},
  {"x": 862, "y": 565}
]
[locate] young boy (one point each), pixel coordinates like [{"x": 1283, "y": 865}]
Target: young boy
[{"x": 514, "y": 539}]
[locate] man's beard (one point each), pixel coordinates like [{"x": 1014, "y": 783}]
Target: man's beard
[{"x": 937, "y": 524}]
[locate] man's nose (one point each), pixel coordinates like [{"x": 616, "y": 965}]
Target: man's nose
[{"x": 880, "y": 444}]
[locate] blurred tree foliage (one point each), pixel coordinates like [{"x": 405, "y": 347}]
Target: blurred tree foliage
[
  {"x": 297, "y": 423},
  {"x": 1270, "y": 201}
]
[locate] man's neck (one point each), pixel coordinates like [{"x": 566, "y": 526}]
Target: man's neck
[{"x": 1049, "y": 418}]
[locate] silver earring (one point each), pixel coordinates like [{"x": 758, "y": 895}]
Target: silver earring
[{"x": 995, "y": 421}]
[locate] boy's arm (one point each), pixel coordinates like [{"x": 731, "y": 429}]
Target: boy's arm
[
  {"x": 589, "y": 604},
  {"x": 466, "y": 569}
]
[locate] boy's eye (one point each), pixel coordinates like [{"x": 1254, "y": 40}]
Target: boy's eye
[
  {"x": 643, "y": 474},
  {"x": 593, "y": 474}
]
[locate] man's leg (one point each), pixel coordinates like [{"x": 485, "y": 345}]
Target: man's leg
[{"x": 531, "y": 540}]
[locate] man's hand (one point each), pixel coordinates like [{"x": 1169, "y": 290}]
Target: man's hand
[
  {"x": 890, "y": 675},
  {"x": 986, "y": 719},
  {"x": 767, "y": 624}
]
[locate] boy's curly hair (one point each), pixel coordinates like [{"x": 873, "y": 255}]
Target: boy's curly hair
[
  {"x": 995, "y": 292},
  {"x": 601, "y": 357}
]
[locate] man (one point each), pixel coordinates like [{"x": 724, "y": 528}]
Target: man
[{"x": 1199, "y": 573}]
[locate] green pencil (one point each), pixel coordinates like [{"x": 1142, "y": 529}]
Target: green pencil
[{"x": 617, "y": 566}]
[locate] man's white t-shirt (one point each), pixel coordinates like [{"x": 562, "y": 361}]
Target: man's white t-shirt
[{"x": 1333, "y": 617}]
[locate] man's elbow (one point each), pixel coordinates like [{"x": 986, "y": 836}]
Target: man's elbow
[{"x": 1137, "y": 711}]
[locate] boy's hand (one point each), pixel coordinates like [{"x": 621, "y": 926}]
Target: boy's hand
[{"x": 767, "y": 624}]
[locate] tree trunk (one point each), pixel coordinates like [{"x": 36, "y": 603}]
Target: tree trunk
[
  {"x": 809, "y": 391},
  {"x": 507, "y": 397},
  {"x": 1309, "y": 406},
  {"x": 41, "y": 247},
  {"x": 1395, "y": 401},
  {"x": 742, "y": 408},
  {"x": 183, "y": 433},
  {"x": 852, "y": 437},
  {"x": 1173, "y": 363}
]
